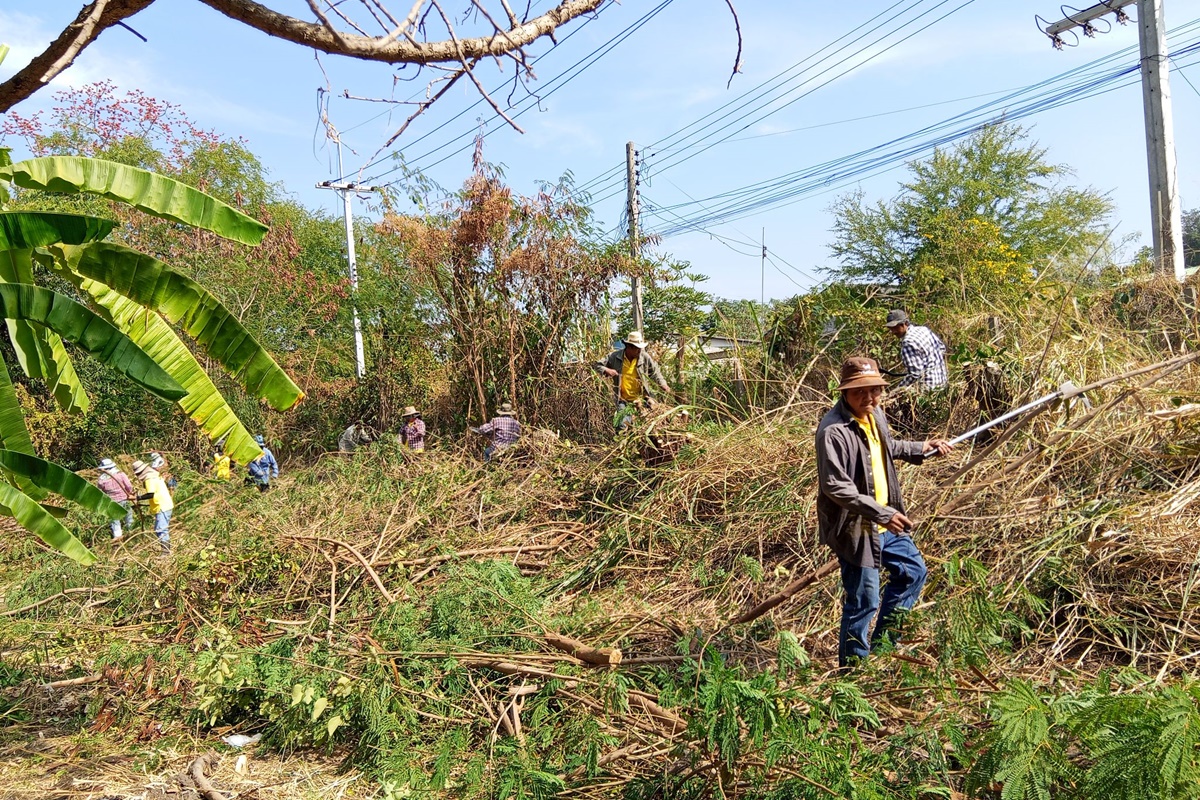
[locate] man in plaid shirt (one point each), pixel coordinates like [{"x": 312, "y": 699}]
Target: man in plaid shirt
[
  {"x": 923, "y": 353},
  {"x": 504, "y": 430}
]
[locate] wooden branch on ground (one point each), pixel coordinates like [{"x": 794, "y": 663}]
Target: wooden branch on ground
[
  {"x": 63, "y": 593},
  {"x": 208, "y": 762},
  {"x": 357, "y": 557},
  {"x": 785, "y": 594},
  {"x": 69, "y": 682},
  {"x": 600, "y": 656}
]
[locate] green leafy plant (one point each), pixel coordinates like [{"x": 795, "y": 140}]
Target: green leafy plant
[{"x": 138, "y": 297}]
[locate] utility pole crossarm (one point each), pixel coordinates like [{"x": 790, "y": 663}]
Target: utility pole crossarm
[
  {"x": 1165, "y": 212},
  {"x": 1084, "y": 18}
]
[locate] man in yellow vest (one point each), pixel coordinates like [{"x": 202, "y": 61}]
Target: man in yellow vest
[
  {"x": 161, "y": 504},
  {"x": 860, "y": 512},
  {"x": 632, "y": 371}
]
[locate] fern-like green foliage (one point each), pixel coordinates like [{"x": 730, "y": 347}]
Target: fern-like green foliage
[{"x": 1097, "y": 744}]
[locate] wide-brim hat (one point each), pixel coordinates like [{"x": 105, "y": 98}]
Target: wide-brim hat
[
  {"x": 107, "y": 464},
  {"x": 858, "y": 373},
  {"x": 140, "y": 467},
  {"x": 410, "y": 411},
  {"x": 635, "y": 339},
  {"x": 895, "y": 317},
  {"x": 506, "y": 410}
]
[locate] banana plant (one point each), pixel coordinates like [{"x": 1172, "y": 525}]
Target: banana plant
[{"x": 137, "y": 300}]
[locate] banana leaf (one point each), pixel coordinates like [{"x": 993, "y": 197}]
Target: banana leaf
[
  {"x": 146, "y": 191},
  {"x": 151, "y": 283},
  {"x": 40, "y": 351},
  {"x": 61, "y": 481},
  {"x": 92, "y": 333},
  {"x": 24, "y": 230},
  {"x": 40, "y": 522},
  {"x": 204, "y": 403},
  {"x": 13, "y": 433}
]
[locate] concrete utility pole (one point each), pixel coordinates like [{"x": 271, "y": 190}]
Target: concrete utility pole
[
  {"x": 345, "y": 189},
  {"x": 1165, "y": 212},
  {"x": 631, "y": 185}
]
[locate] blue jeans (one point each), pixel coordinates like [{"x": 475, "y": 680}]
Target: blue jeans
[
  {"x": 162, "y": 524},
  {"x": 115, "y": 524},
  {"x": 906, "y": 576}
]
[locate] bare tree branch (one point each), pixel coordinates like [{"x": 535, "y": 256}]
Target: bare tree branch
[
  {"x": 369, "y": 48},
  {"x": 737, "y": 61},
  {"x": 62, "y": 52},
  {"x": 469, "y": 69},
  {"x": 334, "y": 32},
  {"x": 398, "y": 47},
  {"x": 420, "y": 110},
  {"x": 512, "y": 18}
]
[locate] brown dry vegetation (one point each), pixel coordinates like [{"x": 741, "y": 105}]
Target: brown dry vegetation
[{"x": 422, "y": 601}]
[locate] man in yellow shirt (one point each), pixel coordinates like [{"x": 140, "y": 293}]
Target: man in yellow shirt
[
  {"x": 632, "y": 370},
  {"x": 160, "y": 506},
  {"x": 860, "y": 511}
]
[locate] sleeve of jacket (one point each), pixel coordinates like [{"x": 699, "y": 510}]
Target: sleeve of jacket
[
  {"x": 656, "y": 373},
  {"x": 273, "y": 464},
  {"x": 836, "y": 483}
]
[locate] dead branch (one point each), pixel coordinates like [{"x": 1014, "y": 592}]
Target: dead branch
[
  {"x": 63, "y": 593},
  {"x": 206, "y": 762},
  {"x": 600, "y": 656},
  {"x": 91, "y": 21},
  {"x": 69, "y": 682},
  {"x": 397, "y": 47},
  {"x": 737, "y": 61},
  {"x": 785, "y": 594},
  {"x": 357, "y": 557}
]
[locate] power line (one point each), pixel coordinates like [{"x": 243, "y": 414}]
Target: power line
[
  {"x": 1081, "y": 83},
  {"x": 741, "y": 122},
  {"x": 765, "y": 87}
]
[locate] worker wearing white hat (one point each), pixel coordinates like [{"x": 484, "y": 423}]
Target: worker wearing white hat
[{"x": 116, "y": 484}]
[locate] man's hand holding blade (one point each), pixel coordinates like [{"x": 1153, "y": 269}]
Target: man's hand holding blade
[{"x": 939, "y": 447}]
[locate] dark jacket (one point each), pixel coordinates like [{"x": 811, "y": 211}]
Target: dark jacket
[
  {"x": 647, "y": 371},
  {"x": 847, "y": 495}
]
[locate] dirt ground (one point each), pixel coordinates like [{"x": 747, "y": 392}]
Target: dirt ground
[{"x": 50, "y": 765}]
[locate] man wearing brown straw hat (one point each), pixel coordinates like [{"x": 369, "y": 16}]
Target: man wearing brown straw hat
[
  {"x": 413, "y": 433},
  {"x": 860, "y": 512}
]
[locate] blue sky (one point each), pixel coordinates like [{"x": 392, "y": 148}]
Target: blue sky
[{"x": 668, "y": 74}]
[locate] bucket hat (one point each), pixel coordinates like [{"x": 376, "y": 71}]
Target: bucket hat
[
  {"x": 107, "y": 464},
  {"x": 635, "y": 338},
  {"x": 860, "y": 372},
  {"x": 140, "y": 468},
  {"x": 506, "y": 410}
]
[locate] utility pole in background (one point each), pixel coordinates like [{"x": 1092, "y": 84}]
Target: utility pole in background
[
  {"x": 345, "y": 188},
  {"x": 631, "y": 185},
  {"x": 1165, "y": 211},
  {"x": 762, "y": 272}
]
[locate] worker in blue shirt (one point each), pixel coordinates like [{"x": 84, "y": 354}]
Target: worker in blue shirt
[{"x": 263, "y": 468}]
